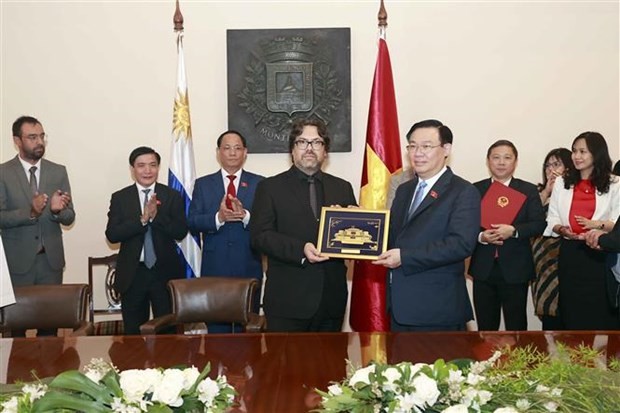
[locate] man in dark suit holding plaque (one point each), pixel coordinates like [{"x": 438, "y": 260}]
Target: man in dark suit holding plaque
[
  {"x": 434, "y": 222},
  {"x": 502, "y": 264},
  {"x": 305, "y": 291}
]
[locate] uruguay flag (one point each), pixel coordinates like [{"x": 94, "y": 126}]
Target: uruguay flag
[{"x": 182, "y": 172}]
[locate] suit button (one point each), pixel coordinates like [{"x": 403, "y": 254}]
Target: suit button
[{"x": 37, "y": 237}]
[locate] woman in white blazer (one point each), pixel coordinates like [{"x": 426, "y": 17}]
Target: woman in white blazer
[{"x": 588, "y": 197}]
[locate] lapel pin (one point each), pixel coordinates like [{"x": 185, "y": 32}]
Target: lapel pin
[
  {"x": 244, "y": 184},
  {"x": 434, "y": 194}
]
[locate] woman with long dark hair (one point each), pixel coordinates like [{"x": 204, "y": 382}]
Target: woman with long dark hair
[
  {"x": 545, "y": 250},
  {"x": 586, "y": 198}
]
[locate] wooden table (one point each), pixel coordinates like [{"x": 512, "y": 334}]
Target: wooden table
[{"x": 273, "y": 373}]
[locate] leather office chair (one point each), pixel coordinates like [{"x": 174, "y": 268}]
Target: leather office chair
[
  {"x": 209, "y": 300},
  {"x": 98, "y": 286},
  {"x": 48, "y": 307}
]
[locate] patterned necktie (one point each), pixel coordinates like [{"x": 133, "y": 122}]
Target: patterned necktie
[
  {"x": 34, "y": 186},
  {"x": 417, "y": 199},
  {"x": 231, "y": 190},
  {"x": 149, "y": 249},
  {"x": 312, "y": 193}
]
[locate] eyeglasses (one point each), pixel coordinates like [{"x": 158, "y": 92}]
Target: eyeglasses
[
  {"x": 553, "y": 165},
  {"x": 426, "y": 148},
  {"x": 304, "y": 143},
  {"x": 33, "y": 137}
]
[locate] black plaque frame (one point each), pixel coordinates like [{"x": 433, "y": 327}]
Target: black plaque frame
[
  {"x": 342, "y": 233},
  {"x": 278, "y": 75}
]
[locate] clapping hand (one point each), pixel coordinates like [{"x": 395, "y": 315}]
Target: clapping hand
[
  {"x": 60, "y": 200},
  {"x": 39, "y": 201},
  {"x": 226, "y": 214},
  {"x": 150, "y": 209}
]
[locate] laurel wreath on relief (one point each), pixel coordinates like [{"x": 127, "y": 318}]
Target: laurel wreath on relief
[{"x": 253, "y": 96}]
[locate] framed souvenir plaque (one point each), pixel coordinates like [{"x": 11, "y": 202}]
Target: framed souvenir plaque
[{"x": 360, "y": 234}]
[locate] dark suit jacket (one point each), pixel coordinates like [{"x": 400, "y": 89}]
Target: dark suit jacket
[
  {"x": 19, "y": 232},
  {"x": 428, "y": 289},
  {"x": 515, "y": 256},
  {"x": 611, "y": 241},
  {"x": 124, "y": 226},
  {"x": 282, "y": 222},
  {"x": 225, "y": 251}
]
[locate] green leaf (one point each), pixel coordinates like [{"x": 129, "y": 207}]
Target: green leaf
[
  {"x": 462, "y": 364},
  {"x": 78, "y": 382},
  {"x": 159, "y": 408},
  {"x": 55, "y": 400},
  {"x": 111, "y": 381}
]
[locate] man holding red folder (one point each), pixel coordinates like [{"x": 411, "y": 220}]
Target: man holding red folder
[{"x": 502, "y": 263}]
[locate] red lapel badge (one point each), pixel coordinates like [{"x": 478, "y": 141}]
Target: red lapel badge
[
  {"x": 244, "y": 184},
  {"x": 158, "y": 202},
  {"x": 434, "y": 194}
]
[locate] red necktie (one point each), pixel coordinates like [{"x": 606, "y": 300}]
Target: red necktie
[{"x": 230, "y": 190}]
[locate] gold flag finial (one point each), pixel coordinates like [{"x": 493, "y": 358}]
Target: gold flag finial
[
  {"x": 382, "y": 16},
  {"x": 178, "y": 19}
]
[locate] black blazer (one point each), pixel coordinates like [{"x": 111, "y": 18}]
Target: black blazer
[
  {"x": 124, "y": 226},
  {"x": 515, "y": 256},
  {"x": 282, "y": 222},
  {"x": 611, "y": 241}
]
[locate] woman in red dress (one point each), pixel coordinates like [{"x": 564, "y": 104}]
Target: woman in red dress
[{"x": 588, "y": 197}]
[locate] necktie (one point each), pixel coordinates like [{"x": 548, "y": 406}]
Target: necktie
[
  {"x": 417, "y": 198},
  {"x": 34, "y": 186},
  {"x": 149, "y": 249},
  {"x": 230, "y": 190},
  {"x": 312, "y": 192}
]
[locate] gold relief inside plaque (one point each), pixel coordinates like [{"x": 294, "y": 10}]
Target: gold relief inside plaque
[{"x": 353, "y": 233}]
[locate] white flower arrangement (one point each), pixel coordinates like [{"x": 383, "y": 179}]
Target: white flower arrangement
[
  {"x": 101, "y": 388},
  {"x": 512, "y": 381}
]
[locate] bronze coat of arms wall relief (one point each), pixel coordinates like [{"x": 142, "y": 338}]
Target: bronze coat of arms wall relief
[{"x": 277, "y": 76}]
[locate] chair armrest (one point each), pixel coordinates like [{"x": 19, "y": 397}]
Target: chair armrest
[
  {"x": 256, "y": 324},
  {"x": 86, "y": 328},
  {"x": 157, "y": 324}
]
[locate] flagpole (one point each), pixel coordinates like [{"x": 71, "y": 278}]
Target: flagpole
[
  {"x": 182, "y": 170},
  {"x": 382, "y": 158}
]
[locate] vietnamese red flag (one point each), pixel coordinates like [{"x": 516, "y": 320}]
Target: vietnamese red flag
[{"x": 382, "y": 158}]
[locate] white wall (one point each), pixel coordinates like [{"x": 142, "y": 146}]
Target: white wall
[{"x": 101, "y": 77}]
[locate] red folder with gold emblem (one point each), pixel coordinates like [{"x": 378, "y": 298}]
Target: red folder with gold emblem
[{"x": 500, "y": 205}]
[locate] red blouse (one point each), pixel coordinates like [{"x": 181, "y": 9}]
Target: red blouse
[{"x": 583, "y": 204}]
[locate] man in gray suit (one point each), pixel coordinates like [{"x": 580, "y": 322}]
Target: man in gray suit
[{"x": 34, "y": 201}]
